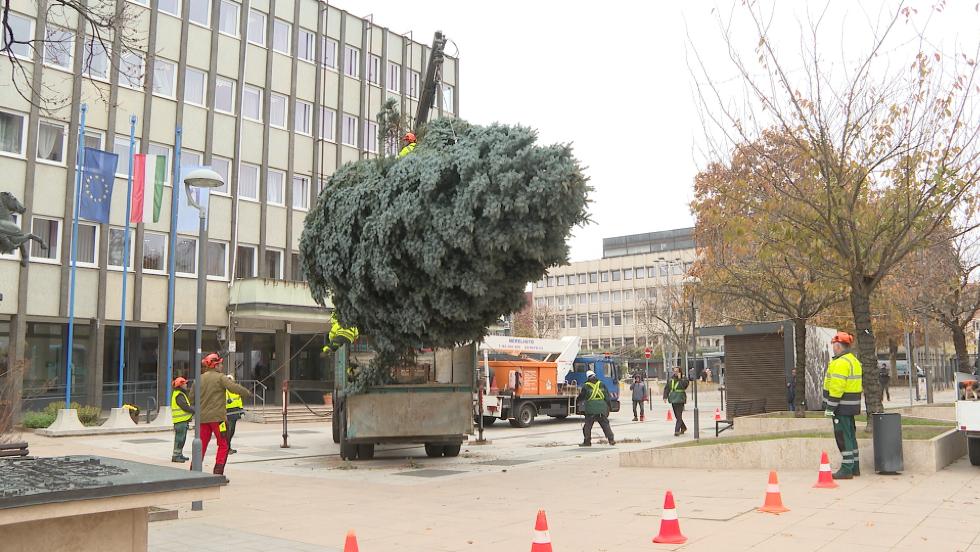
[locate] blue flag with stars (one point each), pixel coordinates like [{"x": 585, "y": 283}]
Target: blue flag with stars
[{"x": 98, "y": 175}]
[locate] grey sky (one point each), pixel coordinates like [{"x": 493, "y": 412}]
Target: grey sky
[{"x": 612, "y": 77}]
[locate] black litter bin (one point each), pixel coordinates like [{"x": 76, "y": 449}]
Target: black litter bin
[{"x": 887, "y": 441}]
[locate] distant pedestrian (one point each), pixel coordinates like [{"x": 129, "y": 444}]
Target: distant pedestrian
[
  {"x": 842, "y": 397},
  {"x": 234, "y": 409},
  {"x": 675, "y": 394},
  {"x": 707, "y": 375},
  {"x": 791, "y": 391},
  {"x": 639, "y": 389},
  {"x": 181, "y": 413},
  {"x": 597, "y": 406},
  {"x": 213, "y": 398},
  {"x": 884, "y": 376}
]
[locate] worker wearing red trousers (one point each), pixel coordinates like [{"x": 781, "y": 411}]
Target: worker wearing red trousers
[{"x": 212, "y": 415}]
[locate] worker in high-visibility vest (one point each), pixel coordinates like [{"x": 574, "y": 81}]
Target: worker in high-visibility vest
[
  {"x": 234, "y": 409},
  {"x": 410, "y": 142},
  {"x": 597, "y": 400},
  {"x": 842, "y": 398},
  {"x": 339, "y": 335},
  {"x": 181, "y": 412}
]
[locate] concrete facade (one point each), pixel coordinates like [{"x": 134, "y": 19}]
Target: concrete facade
[{"x": 273, "y": 94}]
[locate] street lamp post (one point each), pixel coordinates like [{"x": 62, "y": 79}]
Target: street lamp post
[
  {"x": 694, "y": 338},
  {"x": 199, "y": 178}
]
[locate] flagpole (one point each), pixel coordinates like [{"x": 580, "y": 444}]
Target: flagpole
[
  {"x": 172, "y": 265},
  {"x": 125, "y": 274},
  {"x": 74, "y": 253}
]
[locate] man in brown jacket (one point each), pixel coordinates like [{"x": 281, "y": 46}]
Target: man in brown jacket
[{"x": 211, "y": 415}]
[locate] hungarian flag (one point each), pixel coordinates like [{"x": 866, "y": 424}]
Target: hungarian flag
[{"x": 149, "y": 172}]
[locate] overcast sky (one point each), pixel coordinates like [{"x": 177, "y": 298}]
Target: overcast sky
[{"x": 613, "y": 78}]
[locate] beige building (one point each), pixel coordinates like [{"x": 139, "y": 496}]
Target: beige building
[
  {"x": 604, "y": 301},
  {"x": 273, "y": 94}
]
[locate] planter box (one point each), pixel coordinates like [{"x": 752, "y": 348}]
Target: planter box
[
  {"x": 921, "y": 456},
  {"x": 765, "y": 424},
  {"x": 945, "y": 412}
]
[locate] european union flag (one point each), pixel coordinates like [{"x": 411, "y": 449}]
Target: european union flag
[{"x": 98, "y": 175}]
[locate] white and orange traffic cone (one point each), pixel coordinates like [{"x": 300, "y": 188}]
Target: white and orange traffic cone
[
  {"x": 825, "y": 479},
  {"x": 717, "y": 414},
  {"x": 670, "y": 415},
  {"x": 350, "y": 545},
  {"x": 774, "y": 500},
  {"x": 542, "y": 539},
  {"x": 670, "y": 528}
]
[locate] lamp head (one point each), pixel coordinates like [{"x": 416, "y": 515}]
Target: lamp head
[{"x": 203, "y": 178}]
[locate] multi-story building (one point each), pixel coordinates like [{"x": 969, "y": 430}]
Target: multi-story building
[
  {"x": 606, "y": 301},
  {"x": 272, "y": 94}
]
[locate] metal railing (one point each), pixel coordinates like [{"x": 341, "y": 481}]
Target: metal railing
[{"x": 258, "y": 390}]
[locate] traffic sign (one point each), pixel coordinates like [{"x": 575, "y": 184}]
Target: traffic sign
[{"x": 647, "y": 352}]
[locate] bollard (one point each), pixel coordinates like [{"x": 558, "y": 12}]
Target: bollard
[{"x": 285, "y": 412}]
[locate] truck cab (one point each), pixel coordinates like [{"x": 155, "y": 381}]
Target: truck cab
[{"x": 605, "y": 368}]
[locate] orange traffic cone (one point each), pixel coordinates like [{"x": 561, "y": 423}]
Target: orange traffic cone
[
  {"x": 670, "y": 529},
  {"x": 825, "y": 479},
  {"x": 717, "y": 414},
  {"x": 542, "y": 539},
  {"x": 350, "y": 545},
  {"x": 774, "y": 501},
  {"x": 670, "y": 415}
]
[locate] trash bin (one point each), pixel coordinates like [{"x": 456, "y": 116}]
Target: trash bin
[{"x": 887, "y": 441}]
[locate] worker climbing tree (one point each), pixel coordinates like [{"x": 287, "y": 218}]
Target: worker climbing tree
[{"x": 431, "y": 248}]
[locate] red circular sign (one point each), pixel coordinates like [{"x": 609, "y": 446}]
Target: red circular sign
[{"x": 647, "y": 352}]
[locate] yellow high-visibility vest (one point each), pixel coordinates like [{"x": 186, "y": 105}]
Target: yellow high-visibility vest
[
  {"x": 176, "y": 412},
  {"x": 842, "y": 386}
]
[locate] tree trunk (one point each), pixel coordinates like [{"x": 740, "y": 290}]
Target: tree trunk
[
  {"x": 867, "y": 352},
  {"x": 893, "y": 358},
  {"x": 799, "y": 335},
  {"x": 959, "y": 344}
]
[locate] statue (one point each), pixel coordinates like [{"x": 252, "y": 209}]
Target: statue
[{"x": 11, "y": 236}]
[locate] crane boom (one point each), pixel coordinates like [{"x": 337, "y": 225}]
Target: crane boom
[{"x": 433, "y": 75}]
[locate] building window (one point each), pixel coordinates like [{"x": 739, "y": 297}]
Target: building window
[
  {"x": 217, "y": 259},
  {"x": 551, "y": 281},
  {"x": 228, "y": 18},
  {"x": 571, "y": 321},
  {"x": 593, "y": 277},
  {"x": 51, "y": 142},
  {"x": 561, "y": 300},
  {"x": 604, "y": 275},
  {"x": 374, "y": 69},
  {"x": 664, "y": 270},
  {"x": 651, "y": 272},
  {"x": 583, "y": 321},
  {"x": 96, "y": 61},
  {"x": 195, "y": 81},
  {"x": 120, "y": 146},
  {"x": 352, "y": 60},
  {"x": 248, "y": 181},
  {"x": 245, "y": 261},
  {"x": 594, "y": 298},
  {"x": 640, "y": 273},
  {"x": 628, "y": 319},
  {"x": 594, "y": 319},
  {"x": 394, "y": 77},
  {"x": 154, "y": 252},
  {"x": 582, "y": 299},
  {"x": 605, "y": 320},
  {"x": 222, "y": 166},
  {"x": 349, "y": 136},
  {"x": 277, "y": 110},
  {"x": 617, "y": 296},
  {"x": 616, "y": 275},
  {"x": 329, "y": 55},
  {"x": 58, "y": 47},
  {"x": 164, "y": 83},
  {"x": 88, "y": 244},
  {"x": 256, "y": 27},
  {"x": 273, "y": 264},
  {"x": 169, "y": 6},
  {"x": 200, "y": 12},
  {"x": 224, "y": 95},
  {"x": 301, "y": 192},
  {"x": 305, "y": 48},
  {"x": 328, "y": 120},
  {"x": 302, "y": 117},
  {"x": 131, "y": 69},
  {"x": 116, "y": 242},
  {"x": 562, "y": 280},
  {"x": 371, "y": 136},
  {"x": 412, "y": 83},
  {"x": 627, "y": 294},
  {"x": 447, "y": 97},
  {"x": 627, "y": 273},
  {"x": 676, "y": 269},
  {"x": 604, "y": 297},
  {"x": 297, "y": 268},
  {"x": 541, "y": 283},
  {"x": 617, "y": 319},
  {"x": 21, "y": 30},
  {"x": 49, "y": 230},
  {"x": 185, "y": 256},
  {"x": 190, "y": 158},
  {"x": 252, "y": 103},
  {"x": 280, "y": 36},
  {"x": 274, "y": 187}
]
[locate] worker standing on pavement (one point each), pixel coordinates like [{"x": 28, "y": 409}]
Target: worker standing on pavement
[
  {"x": 597, "y": 406},
  {"x": 639, "y": 389},
  {"x": 234, "y": 409},
  {"x": 213, "y": 389},
  {"x": 842, "y": 398},
  {"x": 675, "y": 393},
  {"x": 181, "y": 412},
  {"x": 409, "y": 140}
]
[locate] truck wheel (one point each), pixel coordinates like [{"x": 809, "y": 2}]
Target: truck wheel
[
  {"x": 451, "y": 451},
  {"x": 974, "y": 445},
  {"x": 489, "y": 420},
  {"x": 433, "y": 450},
  {"x": 525, "y": 415},
  {"x": 335, "y": 426},
  {"x": 365, "y": 452}
]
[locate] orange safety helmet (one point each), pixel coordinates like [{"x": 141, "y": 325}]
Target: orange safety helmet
[
  {"x": 213, "y": 360},
  {"x": 180, "y": 382},
  {"x": 409, "y": 137},
  {"x": 843, "y": 338}
]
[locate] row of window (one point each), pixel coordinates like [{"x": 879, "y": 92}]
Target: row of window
[
  {"x": 58, "y": 51},
  {"x": 596, "y": 297},
  {"x": 597, "y": 320},
  {"x": 51, "y": 144},
  {"x": 154, "y": 259},
  {"x": 663, "y": 269}
]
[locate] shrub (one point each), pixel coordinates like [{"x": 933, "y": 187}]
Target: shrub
[
  {"x": 88, "y": 415},
  {"x": 35, "y": 420}
]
